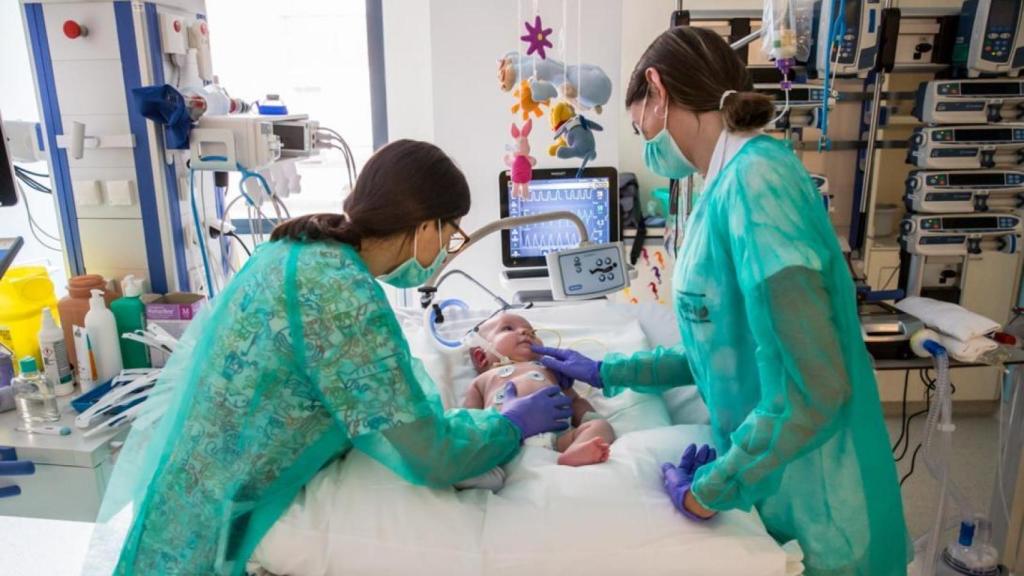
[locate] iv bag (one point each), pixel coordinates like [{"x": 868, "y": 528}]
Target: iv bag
[{"x": 787, "y": 28}]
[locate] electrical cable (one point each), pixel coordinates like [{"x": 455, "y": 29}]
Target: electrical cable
[
  {"x": 906, "y": 433},
  {"x": 903, "y": 412},
  {"x": 37, "y": 186},
  {"x": 37, "y": 174},
  {"x": 32, "y": 183},
  {"x": 906, "y": 445},
  {"x": 34, "y": 227},
  {"x": 31, "y": 218},
  {"x": 235, "y": 236},
  {"x": 227, "y": 212},
  {"x": 913, "y": 462},
  {"x": 350, "y": 163},
  {"x": 350, "y": 160}
]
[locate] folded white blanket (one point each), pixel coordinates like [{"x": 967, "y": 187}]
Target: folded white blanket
[
  {"x": 951, "y": 319},
  {"x": 969, "y": 351}
]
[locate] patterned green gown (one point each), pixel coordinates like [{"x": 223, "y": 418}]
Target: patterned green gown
[{"x": 297, "y": 361}]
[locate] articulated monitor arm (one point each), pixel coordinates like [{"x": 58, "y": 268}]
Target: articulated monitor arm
[{"x": 430, "y": 286}]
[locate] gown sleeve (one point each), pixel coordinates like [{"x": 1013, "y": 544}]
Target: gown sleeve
[
  {"x": 781, "y": 265},
  {"x": 651, "y": 371},
  {"x": 360, "y": 365}
]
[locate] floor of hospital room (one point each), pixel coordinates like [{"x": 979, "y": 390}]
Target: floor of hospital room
[{"x": 972, "y": 466}]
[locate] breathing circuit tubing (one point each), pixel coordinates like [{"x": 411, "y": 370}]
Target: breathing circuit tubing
[{"x": 937, "y": 450}]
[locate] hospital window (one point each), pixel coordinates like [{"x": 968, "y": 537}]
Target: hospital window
[{"x": 313, "y": 53}]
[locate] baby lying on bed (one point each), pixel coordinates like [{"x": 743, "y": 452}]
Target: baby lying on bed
[{"x": 505, "y": 356}]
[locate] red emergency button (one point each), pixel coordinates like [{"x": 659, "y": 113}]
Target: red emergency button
[
  {"x": 177, "y": 25},
  {"x": 202, "y": 28},
  {"x": 73, "y": 29}
]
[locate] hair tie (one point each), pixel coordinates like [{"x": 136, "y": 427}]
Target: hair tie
[{"x": 726, "y": 94}]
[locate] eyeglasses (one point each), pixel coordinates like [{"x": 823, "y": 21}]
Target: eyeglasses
[
  {"x": 458, "y": 240},
  {"x": 636, "y": 129}
]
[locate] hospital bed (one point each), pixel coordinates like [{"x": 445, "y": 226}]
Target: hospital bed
[{"x": 356, "y": 517}]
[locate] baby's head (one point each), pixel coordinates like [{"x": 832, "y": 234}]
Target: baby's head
[{"x": 509, "y": 335}]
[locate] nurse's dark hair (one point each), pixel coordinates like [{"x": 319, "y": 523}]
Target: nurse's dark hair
[
  {"x": 402, "y": 185},
  {"x": 696, "y": 67}
]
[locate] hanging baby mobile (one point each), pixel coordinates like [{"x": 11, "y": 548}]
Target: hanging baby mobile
[{"x": 536, "y": 81}]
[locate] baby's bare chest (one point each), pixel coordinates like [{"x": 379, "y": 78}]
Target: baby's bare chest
[{"x": 527, "y": 376}]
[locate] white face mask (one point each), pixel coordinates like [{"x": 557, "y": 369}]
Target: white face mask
[
  {"x": 411, "y": 273},
  {"x": 661, "y": 154}
]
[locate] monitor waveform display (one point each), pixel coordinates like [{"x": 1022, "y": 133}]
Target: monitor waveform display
[{"x": 588, "y": 198}]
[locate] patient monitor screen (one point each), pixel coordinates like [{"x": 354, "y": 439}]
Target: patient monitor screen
[{"x": 590, "y": 197}]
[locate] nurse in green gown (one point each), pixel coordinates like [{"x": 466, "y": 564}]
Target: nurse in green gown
[
  {"x": 299, "y": 360},
  {"x": 767, "y": 312}
]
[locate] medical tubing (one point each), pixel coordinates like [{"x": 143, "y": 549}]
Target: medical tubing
[
  {"x": 940, "y": 418},
  {"x": 771, "y": 123},
  {"x": 501, "y": 301},
  {"x": 430, "y": 318},
  {"x": 200, "y": 231},
  {"x": 246, "y": 174},
  {"x": 1016, "y": 381},
  {"x": 837, "y": 27}
]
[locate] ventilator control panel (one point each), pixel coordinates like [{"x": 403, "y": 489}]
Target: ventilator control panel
[{"x": 588, "y": 272}]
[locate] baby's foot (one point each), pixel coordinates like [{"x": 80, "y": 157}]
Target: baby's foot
[{"x": 593, "y": 451}]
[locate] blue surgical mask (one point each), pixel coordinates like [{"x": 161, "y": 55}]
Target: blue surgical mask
[
  {"x": 411, "y": 273},
  {"x": 662, "y": 155}
]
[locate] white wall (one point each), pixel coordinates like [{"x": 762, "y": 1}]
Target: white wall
[
  {"x": 18, "y": 102},
  {"x": 408, "y": 69}
]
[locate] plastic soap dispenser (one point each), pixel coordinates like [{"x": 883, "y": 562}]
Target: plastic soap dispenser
[
  {"x": 130, "y": 315},
  {"x": 102, "y": 329}
]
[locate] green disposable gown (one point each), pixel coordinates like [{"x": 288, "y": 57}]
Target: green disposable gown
[
  {"x": 770, "y": 336},
  {"x": 297, "y": 361}
]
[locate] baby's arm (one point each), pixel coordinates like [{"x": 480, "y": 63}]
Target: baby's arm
[{"x": 475, "y": 395}]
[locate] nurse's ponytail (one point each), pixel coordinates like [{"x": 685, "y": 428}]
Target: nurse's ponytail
[
  {"x": 702, "y": 73},
  {"x": 746, "y": 111},
  {"x": 403, "y": 184}
]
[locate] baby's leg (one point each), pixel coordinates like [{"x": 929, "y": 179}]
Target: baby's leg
[{"x": 587, "y": 444}]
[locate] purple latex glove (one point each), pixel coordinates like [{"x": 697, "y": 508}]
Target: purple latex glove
[
  {"x": 678, "y": 479},
  {"x": 570, "y": 365},
  {"x": 546, "y": 410}
]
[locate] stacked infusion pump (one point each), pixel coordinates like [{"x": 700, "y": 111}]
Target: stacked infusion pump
[{"x": 962, "y": 233}]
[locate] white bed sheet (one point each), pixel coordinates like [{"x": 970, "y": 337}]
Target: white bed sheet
[{"x": 358, "y": 518}]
